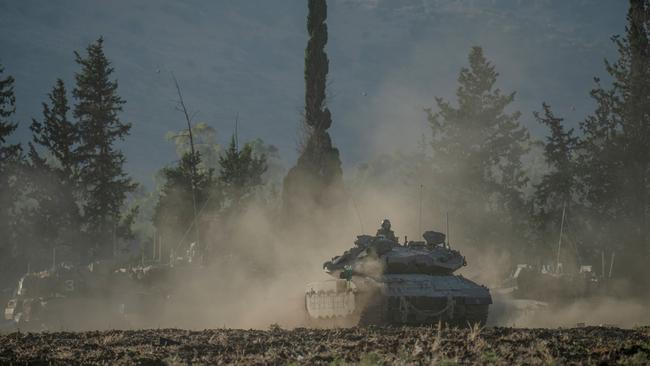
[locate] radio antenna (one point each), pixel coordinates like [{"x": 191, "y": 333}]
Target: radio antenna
[
  {"x": 559, "y": 243},
  {"x": 448, "y": 241},
  {"x": 356, "y": 209},
  {"x": 611, "y": 264},
  {"x": 237, "y": 131},
  {"x": 420, "y": 214}
]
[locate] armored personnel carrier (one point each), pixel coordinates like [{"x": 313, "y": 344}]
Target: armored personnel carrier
[{"x": 380, "y": 281}]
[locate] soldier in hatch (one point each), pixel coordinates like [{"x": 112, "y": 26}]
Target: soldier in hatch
[{"x": 385, "y": 231}]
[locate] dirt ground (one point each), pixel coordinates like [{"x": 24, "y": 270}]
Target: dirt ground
[{"x": 369, "y": 346}]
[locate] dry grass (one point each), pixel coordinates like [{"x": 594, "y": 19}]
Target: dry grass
[{"x": 371, "y": 346}]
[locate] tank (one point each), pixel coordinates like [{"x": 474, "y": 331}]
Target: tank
[{"x": 382, "y": 282}]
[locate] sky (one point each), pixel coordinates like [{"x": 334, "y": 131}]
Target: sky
[{"x": 388, "y": 60}]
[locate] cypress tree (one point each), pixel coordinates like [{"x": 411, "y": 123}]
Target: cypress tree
[
  {"x": 316, "y": 179},
  {"x": 102, "y": 176}
]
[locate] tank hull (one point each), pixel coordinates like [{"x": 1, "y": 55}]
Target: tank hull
[{"x": 398, "y": 299}]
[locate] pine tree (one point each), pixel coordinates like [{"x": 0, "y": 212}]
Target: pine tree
[
  {"x": 599, "y": 169},
  {"x": 57, "y": 133},
  {"x": 10, "y": 158},
  {"x": 271, "y": 192},
  {"x": 240, "y": 172},
  {"x": 616, "y": 143},
  {"x": 105, "y": 183},
  {"x": 56, "y": 219},
  {"x": 8, "y": 152},
  {"x": 477, "y": 151},
  {"x": 558, "y": 189},
  {"x": 316, "y": 180},
  {"x": 631, "y": 100},
  {"x": 174, "y": 211}
]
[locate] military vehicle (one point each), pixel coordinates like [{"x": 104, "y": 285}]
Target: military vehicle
[
  {"x": 380, "y": 281},
  {"x": 553, "y": 285},
  {"x": 97, "y": 296}
]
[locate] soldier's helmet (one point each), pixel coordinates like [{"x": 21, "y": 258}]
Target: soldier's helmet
[{"x": 385, "y": 224}]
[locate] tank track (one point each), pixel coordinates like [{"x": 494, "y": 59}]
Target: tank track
[
  {"x": 387, "y": 312},
  {"x": 476, "y": 314}
]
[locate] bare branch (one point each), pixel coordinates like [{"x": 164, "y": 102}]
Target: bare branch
[{"x": 182, "y": 108}]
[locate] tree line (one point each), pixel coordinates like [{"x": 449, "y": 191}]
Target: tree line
[
  {"x": 67, "y": 188},
  {"x": 597, "y": 175}
]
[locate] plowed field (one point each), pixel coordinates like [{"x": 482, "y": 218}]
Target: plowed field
[{"x": 369, "y": 346}]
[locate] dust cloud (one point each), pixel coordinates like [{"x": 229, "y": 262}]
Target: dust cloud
[
  {"x": 262, "y": 263},
  {"x": 265, "y": 267},
  {"x": 600, "y": 311}
]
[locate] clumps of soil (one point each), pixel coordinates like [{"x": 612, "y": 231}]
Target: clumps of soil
[{"x": 367, "y": 346}]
